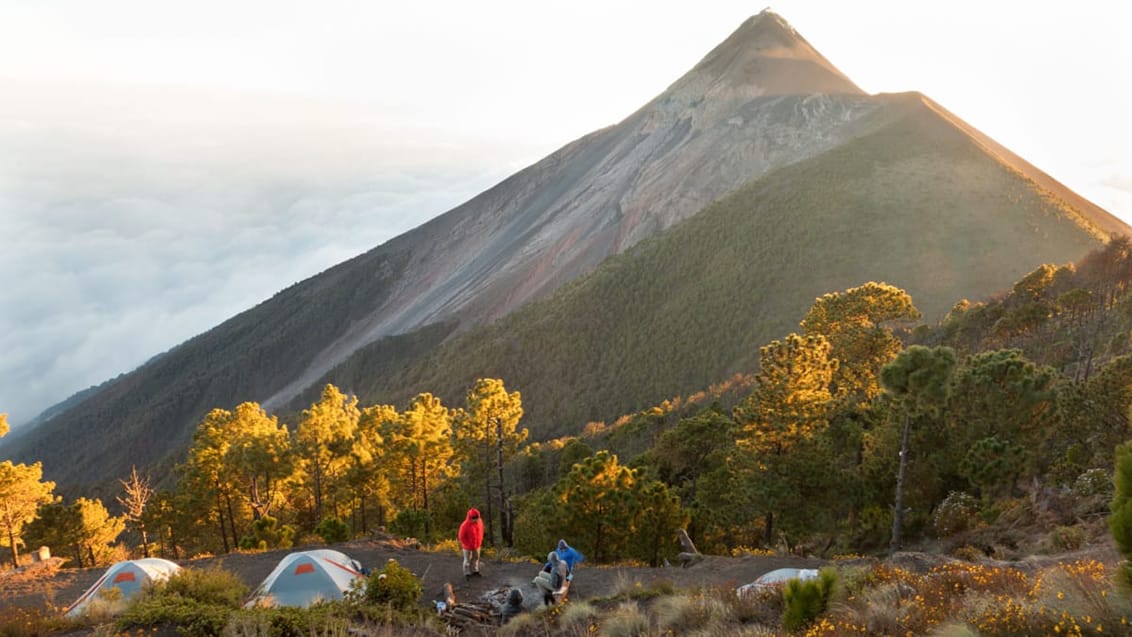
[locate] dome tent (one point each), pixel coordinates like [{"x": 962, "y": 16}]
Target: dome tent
[
  {"x": 777, "y": 577},
  {"x": 128, "y": 577},
  {"x": 304, "y": 578}
]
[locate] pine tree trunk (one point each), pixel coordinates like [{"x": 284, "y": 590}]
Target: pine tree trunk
[
  {"x": 317, "y": 493},
  {"x": 220, "y": 514},
  {"x": 424, "y": 490},
  {"x": 364, "y": 529},
  {"x": 489, "y": 527},
  {"x": 504, "y": 523},
  {"x": 15, "y": 552},
  {"x": 898, "y": 512},
  {"x": 232, "y": 520}
]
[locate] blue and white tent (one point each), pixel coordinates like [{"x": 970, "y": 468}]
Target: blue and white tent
[
  {"x": 307, "y": 577},
  {"x": 128, "y": 578}
]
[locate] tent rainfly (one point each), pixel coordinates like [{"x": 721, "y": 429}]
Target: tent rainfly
[
  {"x": 128, "y": 577},
  {"x": 775, "y": 578},
  {"x": 304, "y": 578}
]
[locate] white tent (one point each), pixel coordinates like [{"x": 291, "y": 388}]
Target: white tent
[
  {"x": 777, "y": 577},
  {"x": 128, "y": 577},
  {"x": 307, "y": 577}
]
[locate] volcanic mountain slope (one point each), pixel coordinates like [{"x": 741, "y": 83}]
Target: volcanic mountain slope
[
  {"x": 918, "y": 202},
  {"x": 762, "y": 111},
  {"x": 709, "y": 133}
]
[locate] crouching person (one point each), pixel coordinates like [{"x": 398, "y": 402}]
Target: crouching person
[
  {"x": 552, "y": 578},
  {"x": 513, "y": 607}
]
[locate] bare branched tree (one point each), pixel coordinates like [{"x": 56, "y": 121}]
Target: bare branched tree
[{"x": 138, "y": 494}]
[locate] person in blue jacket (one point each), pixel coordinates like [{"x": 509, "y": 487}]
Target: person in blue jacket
[{"x": 570, "y": 556}]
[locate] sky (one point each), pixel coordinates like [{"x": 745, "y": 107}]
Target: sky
[{"x": 165, "y": 166}]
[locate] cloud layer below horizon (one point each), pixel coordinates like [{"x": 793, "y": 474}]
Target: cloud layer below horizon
[{"x": 130, "y": 233}]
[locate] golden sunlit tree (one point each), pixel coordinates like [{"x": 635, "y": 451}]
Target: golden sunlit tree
[
  {"x": 595, "y": 505},
  {"x": 207, "y": 479},
  {"x": 98, "y": 530},
  {"x": 858, "y": 325},
  {"x": 368, "y": 476},
  {"x": 487, "y": 434},
  {"x": 258, "y": 457},
  {"x": 789, "y": 406},
  {"x": 422, "y": 442},
  {"x": 22, "y": 490},
  {"x": 791, "y": 399},
  {"x": 324, "y": 442},
  {"x": 607, "y": 510}
]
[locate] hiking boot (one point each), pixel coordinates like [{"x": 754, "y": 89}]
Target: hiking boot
[{"x": 477, "y": 574}]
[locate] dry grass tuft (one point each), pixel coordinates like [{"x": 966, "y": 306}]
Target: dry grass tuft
[
  {"x": 524, "y": 624},
  {"x": 578, "y": 614},
  {"x": 684, "y": 614},
  {"x": 625, "y": 586},
  {"x": 626, "y": 620}
]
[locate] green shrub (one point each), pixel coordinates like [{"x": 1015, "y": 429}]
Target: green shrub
[
  {"x": 410, "y": 523},
  {"x": 192, "y": 618},
  {"x": 207, "y": 586},
  {"x": 395, "y": 586},
  {"x": 968, "y": 553},
  {"x": 1068, "y": 538},
  {"x": 267, "y": 533},
  {"x": 332, "y": 530},
  {"x": 329, "y": 618},
  {"x": 250, "y": 543},
  {"x": 1092, "y": 492},
  {"x": 199, "y": 602},
  {"x": 803, "y": 601},
  {"x": 958, "y": 512},
  {"x": 1120, "y": 520},
  {"x": 1093, "y": 482}
]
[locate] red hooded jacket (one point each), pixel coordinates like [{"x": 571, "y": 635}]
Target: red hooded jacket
[{"x": 471, "y": 531}]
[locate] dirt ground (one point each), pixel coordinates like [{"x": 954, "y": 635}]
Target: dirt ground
[{"x": 45, "y": 586}]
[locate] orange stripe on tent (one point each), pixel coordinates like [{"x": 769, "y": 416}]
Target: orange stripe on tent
[
  {"x": 305, "y": 567},
  {"x": 124, "y": 576},
  {"x": 346, "y": 568}
]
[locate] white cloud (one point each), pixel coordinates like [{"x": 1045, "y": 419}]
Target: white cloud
[{"x": 137, "y": 232}]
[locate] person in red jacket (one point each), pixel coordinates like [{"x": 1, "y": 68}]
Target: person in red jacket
[{"x": 471, "y": 538}]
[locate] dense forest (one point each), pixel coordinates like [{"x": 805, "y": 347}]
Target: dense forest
[{"x": 859, "y": 432}]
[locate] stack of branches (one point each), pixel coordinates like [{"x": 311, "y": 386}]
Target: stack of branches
[{"x": 469, "y": 617}]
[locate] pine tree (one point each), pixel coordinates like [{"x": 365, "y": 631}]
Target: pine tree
[{"x": 22, "y": 490}]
